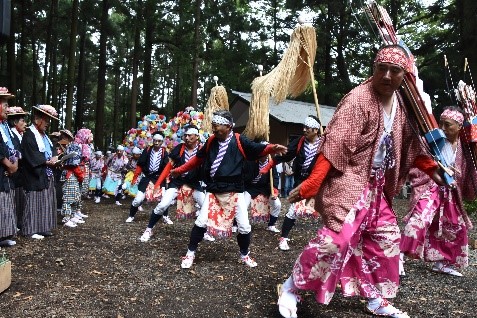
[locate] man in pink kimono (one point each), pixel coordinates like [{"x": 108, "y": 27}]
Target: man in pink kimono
[
  {"x": 437, "y": 224},
  {"x": 368, "y": 148}
]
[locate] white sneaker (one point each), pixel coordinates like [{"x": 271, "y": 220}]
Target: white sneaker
[
  {"x": 77, "y": 220},
  {"x": 445, "y": 269},
  {"x": 37, "y": 237},
  {"x": 273, "y": 229},
  {"x": 130, "y": 219},
  {"x": 187, "y": 261},
  {"x": 97, "y": 199},
  {"x": 234, "y": 229},
  {"x": 7, "y": 243},
  {"x": 166, "y": 219},
  {"x": 123, "y": 197},
  {"x": 81, "y": 215},
  {"x": 70, "y": 223},
  {"x": 247, "y": 260},
  {"x": 118, "y": 203},
  {"x": 105, "y": 196},
  {"x": 283, "y": 244},
  {"x": 140, "y": 209},
  {"x": 146, "y": 236},
  {"x": 208, "y": 237}
]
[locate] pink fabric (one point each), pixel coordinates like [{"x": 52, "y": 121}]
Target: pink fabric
[
  {"x": 152, "y": 193},
  {"x": 436, "y": 230},
  {"x": 221, "y": 213},
  {"x": 454, "y": 115},
  {"x": 82, "y": 138},
  {"x": 393, "y": 55},
  {"x": 260, "y": 208},
  {"x": 363, "y": 257},
  {"x": 306, "y": 209},
  {"x": 185, "y": 203},
  {"x": 351, "y": 140}
]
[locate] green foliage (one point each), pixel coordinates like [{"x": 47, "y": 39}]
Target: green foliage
[
  {"x": 470, "y": 206},
  {"x": 234, "y": 37}
]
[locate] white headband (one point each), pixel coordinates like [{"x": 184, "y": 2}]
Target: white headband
[
  {"x": 219, "y": 120},
  {"x": 311, "y": 122},
  {"x": 192, "y": 131},
  {"x": 157, "y": 137},
  {"x": 136, "y": 151},
  {"x": 120, "y": 148}
]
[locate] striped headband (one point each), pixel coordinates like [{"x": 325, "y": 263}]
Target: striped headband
[
  {"x": 393, "y": 55},
  {"x": 311, "y": 122},
  {"x": 220, "y": 120},
  {"x": 454, "y": 115}
]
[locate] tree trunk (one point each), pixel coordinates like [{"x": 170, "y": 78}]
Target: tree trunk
[
  {"x": 100, "y": 97},
  {"x": 34, "y": 100},
  {"x": 134, "y": 89},
  {"x": 71, "y": 65},
  {"x": 48, "y": 44},
  {"x": 150, "y": 26},
  {"x": 11, "y": 63},
  {"x": 51, "y": 95},
  {"x": 80, "y": 86},
  {"x": 23, "y": 49},
  {"x": 197, "y": 46}
]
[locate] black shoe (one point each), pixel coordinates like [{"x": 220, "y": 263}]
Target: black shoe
[{"x": 47, "y": 233}]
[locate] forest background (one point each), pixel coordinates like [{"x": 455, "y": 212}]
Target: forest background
[{"x": 105, "y": 64}]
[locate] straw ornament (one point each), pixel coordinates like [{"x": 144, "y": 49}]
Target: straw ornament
[
  {"x": 218, "y": 100},
  {"x": 289, "y": 78}
]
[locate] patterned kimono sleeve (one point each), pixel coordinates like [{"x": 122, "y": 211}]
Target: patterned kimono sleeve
[
  {"x": 343, "y": 131},
  {"x": 469, "y": 174}
]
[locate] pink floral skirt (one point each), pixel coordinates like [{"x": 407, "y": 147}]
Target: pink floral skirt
[
  {"x": 435, "y": 230},
  {"x": 363, "y": 257},
  {"x": 185, "y": 203}
]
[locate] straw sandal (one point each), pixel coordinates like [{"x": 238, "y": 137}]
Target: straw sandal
[{"x": 386, "y": 309}]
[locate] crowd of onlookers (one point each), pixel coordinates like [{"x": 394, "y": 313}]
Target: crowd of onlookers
[{"x": 43, "y": 176}]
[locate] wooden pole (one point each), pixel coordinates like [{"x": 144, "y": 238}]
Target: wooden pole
[{"x": 315, "y": 96}]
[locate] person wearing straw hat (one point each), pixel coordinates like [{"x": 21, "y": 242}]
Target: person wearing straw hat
[
  {"x": 39, "y": 159},
  {"x": 151, "y": 163},
  {"x": 222, "y": 160},
  {"x": 114, "y": 179},
  {"x": 16, "y": 122},
  {"x": 8, "y": 167},
  {"x": 186, "y": 188},
  {"x": 95, "y": 182},
  {"x": 437, "y": 223},
  {"x": 368, "y": 148},
  {"x": 304, "y": 152}
]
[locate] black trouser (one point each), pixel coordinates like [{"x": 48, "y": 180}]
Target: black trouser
[
  {"x": 197, "y": 235},
  {"x": 287, "y": 226}
]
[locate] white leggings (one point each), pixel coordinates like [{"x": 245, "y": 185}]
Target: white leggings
[{"x": 171, "y": 194}]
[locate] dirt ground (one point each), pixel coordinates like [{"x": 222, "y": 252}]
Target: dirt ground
[{"x": 101, "y": 269}]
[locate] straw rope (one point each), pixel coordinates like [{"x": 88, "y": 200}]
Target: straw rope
[
  {"x": 218, "y": 100},
  {"x": 289, "y": 78}
]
